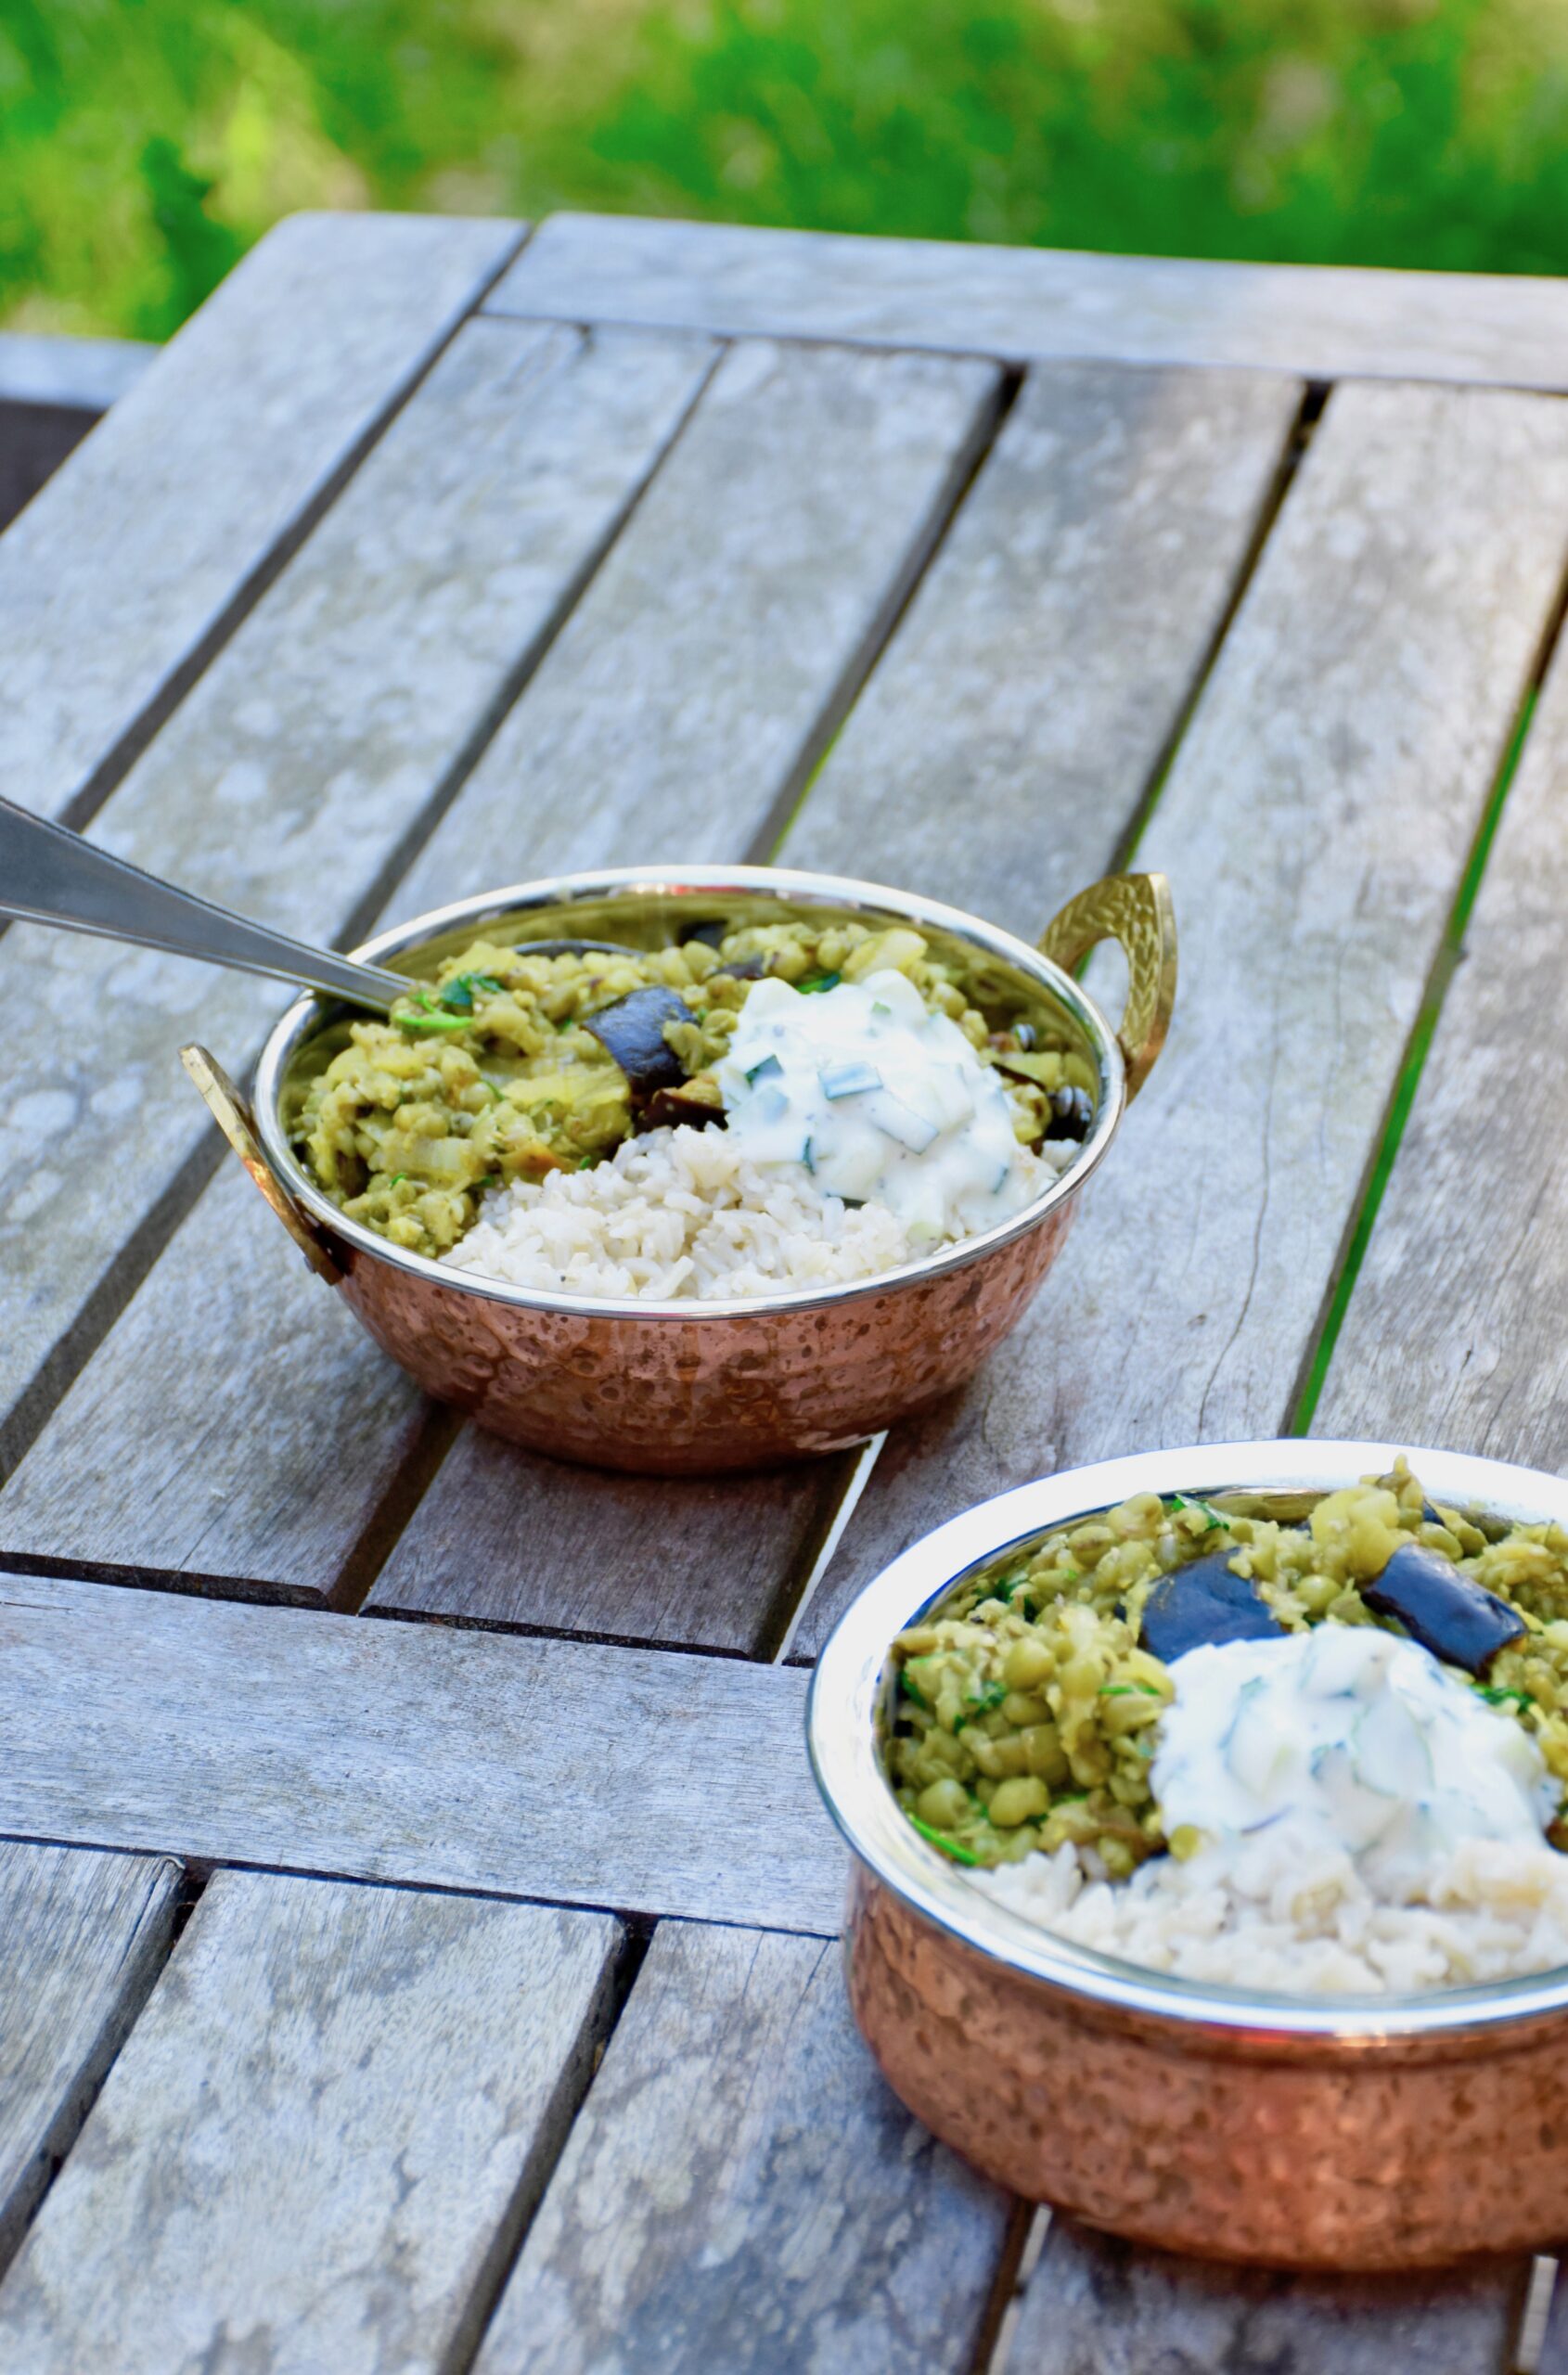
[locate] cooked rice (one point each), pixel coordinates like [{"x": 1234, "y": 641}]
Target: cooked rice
[
  {"x": 1285, "y": 1913},
  {"x": 679, "y": 1214}
]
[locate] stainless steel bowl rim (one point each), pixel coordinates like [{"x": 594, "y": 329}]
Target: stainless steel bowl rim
[
  {"x": 846, "y": 1685},
  {"x": 564, "y": 890}
]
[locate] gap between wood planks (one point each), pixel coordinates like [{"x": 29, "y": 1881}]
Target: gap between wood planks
[
  {"x": 576, "y": 2080},
  {"x": 774, "y": 829},
  {"x": 1364, "y": 1209},
  {"x": 122, "y": 754},
  {"x": 68, "y": 1355},
  {"x": 814, "y": 1566},
  {"x": 192, "y": 1883}
]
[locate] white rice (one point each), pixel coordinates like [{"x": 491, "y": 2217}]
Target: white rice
[
  {"x": 679, "y": 1214},
  {"x": 1284, "y": 1912}
]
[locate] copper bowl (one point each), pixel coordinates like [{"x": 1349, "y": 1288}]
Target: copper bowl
[
  {"x": 699, "y": 1387},
  {"x": 1308, "y": 2132}
]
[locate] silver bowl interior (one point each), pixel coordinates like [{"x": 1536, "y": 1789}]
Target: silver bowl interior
[
  {"x": 854, "y": 1673},
  {"x": 654, "y": 908}
]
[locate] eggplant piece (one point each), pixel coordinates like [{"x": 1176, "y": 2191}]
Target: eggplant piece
[
  {"x": 744, "y": 969},
  {"x": 712, "y": 933},
  {"x": 1204, "y": 1602},
  {"x": 1442, "y": 1610},
  {"x": 632, "y": 1030},
  {"x": 1072, "y": 1114},
  {"x": 697, "y": 1102}
]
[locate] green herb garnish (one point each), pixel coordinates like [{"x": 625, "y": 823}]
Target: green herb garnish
[
  {"x": 1496, "y": 1696},
  {"x": 988, "y": 1699},
  {"x": 948, "y": 1846},
  {"x": 1215, "y": 1523},
  {"x": 815, "y": 982},
  {"x": 458, "y": 995},
  {"x": 911, "y": 1689},
  {"x": 397, "y": 1179},
  {"x": 425, "y": 1024}
]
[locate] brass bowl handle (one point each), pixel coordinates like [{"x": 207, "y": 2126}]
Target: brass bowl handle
[
  {"x": 236, "y": 1121},
  {"x": 1134, "y": 909}
]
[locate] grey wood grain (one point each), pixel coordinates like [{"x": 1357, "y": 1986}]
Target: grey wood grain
[
  {"x": 1451, "y": 1334},
  {"x": 257, "y": 1422},
  {"x": 697, "y": 679},
  {"x": 287, "y": 784},
  {"x": 426, "y": 1753},
  {"x": 1315, "y": 827},
  {"x": 321, "y": 2140},
  {"x": 113, "y": 581},
  {"x": 80, "y": 1939},
  {"x": 80, "y": 374},
  {"x": 1550, "y": 2323},
  {"x": 1047, "y": 657},
  {"x": 1026, "y": 303},
  {"x": 1096, "y": 2305},
  {"x": 741, "y": 2191},
  {"x": 503, "y": 1537}
]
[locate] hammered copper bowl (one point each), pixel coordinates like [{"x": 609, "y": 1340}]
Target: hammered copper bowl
[
  {"x": 701, "y": 1387},
  {"x": 1311, "y": 2132}
]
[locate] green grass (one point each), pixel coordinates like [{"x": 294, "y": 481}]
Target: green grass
[{"x": 144, "y": 144}]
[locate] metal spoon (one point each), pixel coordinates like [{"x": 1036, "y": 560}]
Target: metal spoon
[{"x": 49, "y": 875}]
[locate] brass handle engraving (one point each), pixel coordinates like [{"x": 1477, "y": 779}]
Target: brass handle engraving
[
  {"x": 234, "y": 1118},
  {"x": 1136, "y": 910}
]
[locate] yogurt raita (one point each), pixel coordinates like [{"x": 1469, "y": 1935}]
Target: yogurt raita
[
  {"x": 880, "y": 1100},
  {"x": 1353, "y": 1737}
]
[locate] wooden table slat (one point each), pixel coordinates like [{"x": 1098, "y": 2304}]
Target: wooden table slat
[
  {"x": 287, "y": 787},
  {"x": 322, "y": 2139},
  {"x": 83, "y": 1935},
  {"x": 741, "y": 2191},
  {"x": 423, "y": 1754},
  {"x": 1030, "y": 304},
  {"x": 132, "y": 560},
  {"x": 1098, "y": 2306},
  {"x": 1315, "y": 827},
  {"x": 1467, "y": 1268},
  {"x": 1004, "y": 744},
  {"x": 503, "y": 1539}
]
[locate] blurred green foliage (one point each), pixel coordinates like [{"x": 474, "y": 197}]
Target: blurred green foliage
[{"x": 144, "y": 144}]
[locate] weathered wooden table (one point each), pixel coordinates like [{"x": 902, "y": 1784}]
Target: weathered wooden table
[{"x": 464, "y": 1984}]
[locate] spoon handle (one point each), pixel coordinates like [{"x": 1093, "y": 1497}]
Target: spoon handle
[{"x": 49, "y": 875}]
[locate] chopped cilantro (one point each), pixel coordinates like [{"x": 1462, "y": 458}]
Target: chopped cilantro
[
  {"x": 911, "y": 1689},
  {"x": 815, "y": 982},
  {"x": 458, "y": 995},
  {"x": 1215, "y": 1523},
  {"x": 1499, "y": 1698},
  {"x": 948, "y": 1846}
]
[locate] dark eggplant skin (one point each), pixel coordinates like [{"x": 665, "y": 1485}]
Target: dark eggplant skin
[
  {"x": 632, "y": 1030},
  {"x": 1442, "y": 1610},
  {"x": 687, "y": 1105},
  {"x": 1204, "y": 1603},
  {"x": 744, "y": 969},
  {"x": 1072, "y": 1114}
]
